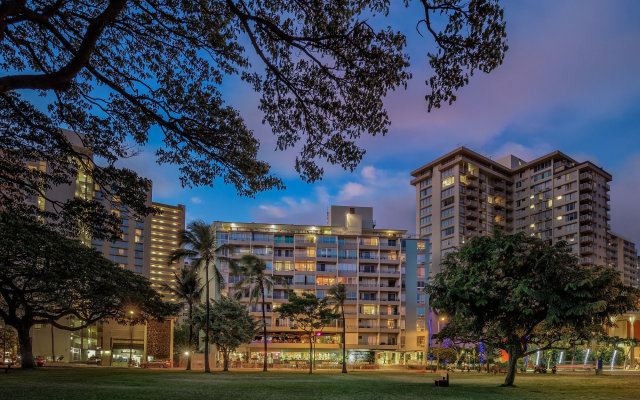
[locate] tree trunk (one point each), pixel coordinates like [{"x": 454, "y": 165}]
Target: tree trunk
[
  {"x": 53, "y": 351},
  {"x": 344, "y": 343},
  {"x": 264, "y": 326},
  {"x": 310, "y": 354},
  {"x": 206, "y": 319},
  {"x": 190, "y": 347},
  {"x": 511, "y": 372},
  {"x": 25, "y": 347},
  {"x": 225, "y": 360}
]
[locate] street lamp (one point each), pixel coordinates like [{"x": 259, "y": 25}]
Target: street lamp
[{"x": 131, "y": 313}]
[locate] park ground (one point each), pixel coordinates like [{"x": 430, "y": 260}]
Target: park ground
[{"x": 120, "y": 383}]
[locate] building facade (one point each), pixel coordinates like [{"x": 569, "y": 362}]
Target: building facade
[
  {"x": 112, "y": 343},
  {"x": 384, "y": 274},
  {"x": 164, "y": 240},
  {"x": 464, "y": 194},
  {"x": 623, "y": 256}
]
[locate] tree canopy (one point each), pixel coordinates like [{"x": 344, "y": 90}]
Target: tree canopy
[
  {"x": 308, "y": 314},
  {"x": 120, "y": 70},
  {"x": 231, "y": 325},
  {"x": 45, "y": 276},
  {"x": 522, "y": 294}
]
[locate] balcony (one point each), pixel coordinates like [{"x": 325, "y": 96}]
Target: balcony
[
  {"x": 471, "y": 224},
  {"x": 389, "y": 271},
  {"x": 586, "y": 218},
  {"x": 586, "y": 187},
  {"x": 586, "y": 239},
  {"x": 586, "y": 176},
  {"x": 586, "y": 208},
  {"x": 586, "y": 229},
  {"x": 586, "y": 250},
  {"x": 471, "y": 215},
  {"x": 586, "y": 260},
  {"x": 586, "y": 197}
]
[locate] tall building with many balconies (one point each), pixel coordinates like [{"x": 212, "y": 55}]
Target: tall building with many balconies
[
  {"x": 164, "y": 240},
  {"x": 464, "y": 194},
  {"x": 384, "y": 274},
  {"x": 623, "y": 256}
]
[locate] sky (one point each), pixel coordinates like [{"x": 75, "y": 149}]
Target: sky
[{"x": 570, "y": 82}]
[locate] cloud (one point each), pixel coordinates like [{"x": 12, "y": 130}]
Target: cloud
[
  {"x": 196, "y": 200},
  {"x": 387, "y": 191}
]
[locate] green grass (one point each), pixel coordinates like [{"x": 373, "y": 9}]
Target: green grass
[{"x": 117, "y": 383}]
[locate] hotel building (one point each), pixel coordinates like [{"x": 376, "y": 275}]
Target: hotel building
[
  {"x": 623, "y": 256},
  {"x": 464, "y": 194},
  {"x": 384, "y": 274},
  {"x": 106, "y": 340},
  {"x": 164, "y": 240}
]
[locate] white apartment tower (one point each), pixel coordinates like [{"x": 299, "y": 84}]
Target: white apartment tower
[{"x": 464, "y": 194}]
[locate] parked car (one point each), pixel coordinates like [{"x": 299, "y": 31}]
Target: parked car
[
  {"x": 94, "y": 360},
  {"x": 157, "y": 364},
  {"x": 38, "y": 361}
]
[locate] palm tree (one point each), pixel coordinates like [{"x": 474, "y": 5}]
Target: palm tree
[
  {"x": 188, "y": 289},
  {"x": 254, "y": 282},
  {"x": 200, "y": 244},
  {"x": 337, "y": 296}
]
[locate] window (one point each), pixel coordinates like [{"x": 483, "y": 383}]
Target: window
[
  {"x": 542, "y": 166},
  {"x": 425, "y": 220},
  {"x": 447, "y": 193},
  {"x": 447, "y": 172},
  {"x": 425, "y": 182},
  {"x": 425, "y": 229},
  {"x": 448, "y": 231},
  {"x": 446, "y": 242},
  {"x": 425, "y": 202},
  {"x": 571, "y": 217},
  {"x": 349, "y": 254},
  {"x": 571, "y": 196},
  {"x": 240, "y": 236},
  {"x": 283, "y": 239},
  {"x": 327, "y": 239},
  {"x": 327, "y": 252},
  {"x": 344, "y": 267},
  {"x": 448, "y": 181},
  {"x": 518, "y": 185},
  {"x": 425, "y": 192},
  {"x": 447, "y": 222},
  {"x": 570, "y": 207},
  {"x": 447, "y": 202},
  {"x": 541, "y": 176},
  {"x": 447, "y": 212},
  {"x": 262, "y": 237},
  {"x": 426, "y": 210}
]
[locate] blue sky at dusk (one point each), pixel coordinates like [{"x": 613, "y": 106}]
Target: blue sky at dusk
[{"x": 570, "y": 81}]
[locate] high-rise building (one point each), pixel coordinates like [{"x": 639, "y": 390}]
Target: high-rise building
[
  {"x": 164, "y": 240},
  {"x": 384, "y": 274},
  {"x": 464, "y": 194},
  {"x": 105, "y": 340},
  {"x": 623, "y": 256}
]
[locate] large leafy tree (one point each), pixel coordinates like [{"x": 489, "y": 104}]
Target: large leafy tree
[
  {"x": 337, "y": 297},
  {"x": 254, "y": 282},
  {"x": 308, "y": 314},
  {"x": 45, "y": 276},
  {"x": 199, "y": 244},
  {"x": 231, "y": 326},
  {"x": 188, "y": 289},
  {"x": 119, "y": 70},
  {"x": 522, "y": 294}
]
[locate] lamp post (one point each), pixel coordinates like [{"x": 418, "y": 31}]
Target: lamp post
[
  {"x": 632, "y": 320},
  {"x": 131, "y": 312}
]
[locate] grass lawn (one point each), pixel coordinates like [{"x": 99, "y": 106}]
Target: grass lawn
[{"x": 116, "y": 383}]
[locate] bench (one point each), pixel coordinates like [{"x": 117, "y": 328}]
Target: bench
[{"x": 444, "y": 382}]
